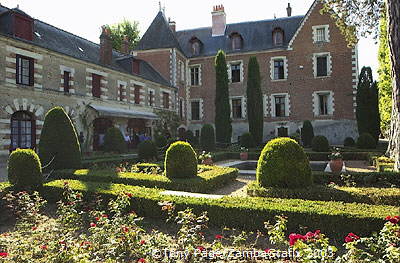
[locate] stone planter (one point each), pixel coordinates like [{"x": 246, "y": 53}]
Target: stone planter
[
  {"x": 244, "y": 156},
  {"x": 207, "y": 161},
  {"x": 336, "y": 165}
]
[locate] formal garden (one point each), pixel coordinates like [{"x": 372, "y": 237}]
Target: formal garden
[{"x": 162, "y": 206}]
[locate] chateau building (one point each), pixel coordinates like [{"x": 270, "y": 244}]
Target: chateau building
[
  {"x": 307, "y": 70},
  {"x": 307, "y": 73}
]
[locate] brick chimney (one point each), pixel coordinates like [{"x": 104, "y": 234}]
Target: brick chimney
[
  {"x": 172, "y": 25},
  {"x": 218, "y": 21},
  {"x": 105, "y": 46},
  {"x": 125, "y": 45},
  {"x": 289, "y": 10}
]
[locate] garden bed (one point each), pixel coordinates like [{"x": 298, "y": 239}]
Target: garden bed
[
  {"x": 333, "y": 218},
  {"x": 367, "y": 195},
  {"x": 370, "y": 179},
  {"x": 209, "y": 178}
]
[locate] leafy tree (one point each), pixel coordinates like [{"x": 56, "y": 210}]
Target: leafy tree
[
  {"x": 367, "y": 111},
  {"x": 207, "y": 138},
  {"x": 307, "y": 133},
  {"x": 223, "y": 126},
  {"x": 255, "y": 113},
  {"x": 125, "y": 28},
  {"x": 167, "y": 123},
  {"x": 359, "y": 18},
  {"x": 385, "y": 80}
]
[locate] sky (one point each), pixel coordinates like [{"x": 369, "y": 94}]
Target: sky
[{"x": 85, "y": 17}]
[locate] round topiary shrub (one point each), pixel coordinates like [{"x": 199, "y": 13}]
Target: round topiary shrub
[
  {"x": 207, "y": 138},
  {"x": 114, "y": 141},
  {"x": 180, "y": 161},
  {"x": 25, "y": 170},
  {"x": 307, "y": 133},
  {"x": 349, "y": 142},
  {"x": 160, "y": 141},
  {"x": 58, "y": 140},
  {"x": 366, "y": 141},
  {"x": 320, "y": 144},
  {"x": 284, "y": 164},
  {"x": 246, "y": 140},
  {"x": 147, "y": 150}
]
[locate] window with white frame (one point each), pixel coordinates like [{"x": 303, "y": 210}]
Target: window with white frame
[
  {"x": 322, "y": 65},
  {"x": 195, "y": 110},
  {"x": 237, "y": 108},
  {"x": 195, "y": 76},
  {"x": 278, "y": 68},
  {"x": 280, "y": 105},
  {"x": 323, "y": 103},
  {"x": 151, "y": 97},
  {"x": 235, "y": 72},
  {"x": 321, "y": 33}
]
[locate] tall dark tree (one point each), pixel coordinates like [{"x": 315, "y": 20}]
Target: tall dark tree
[
  {"x": 255, "y": 114},
  {"x": 359, "y": 17},
  {"x": 223, "y": 126},
  {"x": 125, "y": 28},
  {"x": 367, "y": 111}
]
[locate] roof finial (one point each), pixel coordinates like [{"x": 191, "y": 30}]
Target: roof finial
[
  {"x": 274, "y": 16},
  {"x": 159, "y": 5},
  {"x": 17, "y": 6}
]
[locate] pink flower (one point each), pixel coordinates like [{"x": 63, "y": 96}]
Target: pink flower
[
  {"x": 34, "y": 228},
  {"x": 93, "y": 225},
  {"x": 218, "y": 237},
  {"x": 3, "y": 254},
  {"x": 125, "y": 229},
  {"x": 394, "y": 220},
  {"x": 351, "y": 238},
  {"x": 43, "y": 247},
  {"x": 294, "y": 237},
  {"x": 267, "y": 250},
  {"x": 105, "y": 216}
]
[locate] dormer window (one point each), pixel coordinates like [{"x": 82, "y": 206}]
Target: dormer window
[
  {"x": 237, "y": 41},
  {"x": 195, "y": 46},
  {"x": 277, "y": 37}
]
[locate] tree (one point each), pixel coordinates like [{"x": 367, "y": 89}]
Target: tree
[
  {"x": 359, "y": 17},
  {"x": 223, "y": 126},
  {"x": 385, "y": 81},
  {"x": 255, "y": 114},
  {"x": 120, "y": 30},
  {"x": 307, "y": 133}
]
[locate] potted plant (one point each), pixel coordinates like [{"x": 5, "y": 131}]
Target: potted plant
[
  {"x": 336, "y": 161},
  {"x": 244, "y": 155},
  {"x": 206, "y": 158}
]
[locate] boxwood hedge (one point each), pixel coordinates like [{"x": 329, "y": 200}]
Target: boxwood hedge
[{"x": 336, "y": 219}]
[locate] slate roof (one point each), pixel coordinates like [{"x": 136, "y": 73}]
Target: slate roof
[
  {"x": 256, "y": 35},
  {"x": 58, "y": 40}
]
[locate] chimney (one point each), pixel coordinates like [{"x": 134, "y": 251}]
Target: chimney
[
  {"x": 136, "y": 66},
  {"x": 289, "y": 10},
  {"x": 218, "y": 21},
  {"x": 125, "y": 45},
  {"x": 172, "y": 25},
  {"x": 105, "y": 46}
]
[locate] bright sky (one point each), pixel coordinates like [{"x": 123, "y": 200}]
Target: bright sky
[{"x": 85, "y": 17}]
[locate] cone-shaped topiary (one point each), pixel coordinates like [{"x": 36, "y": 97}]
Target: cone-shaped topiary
[
  {"x": 114, "y": 141},
  {"x": 283, "y": 163},
  {"x": 59, "y": 139},
  {"x": 320, "y": 144},
  {"x": 25, "y": 170},
  {"x": 307, "y": 133},
  {"x": 366, "y": 141},
  {"x": 349, "y": 142},
  {"x": 207, "y": 138},
  {"x": 147, "y": 150},
  {"x": 247, "y": 140},
  {"x": 180, "y": 161}
]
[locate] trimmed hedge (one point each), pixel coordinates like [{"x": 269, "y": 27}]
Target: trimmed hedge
[
  {"x": 376, "y": 196},
  {"x": 336, "y": 219},
  {"x": 207, "y": 138},
  {"x": 283, "y": 163},
  {"x": 114, "y": 141},
  {"x": 108, "y": 161},
  {"x": 180, "y": 161},
  {"x": 247, "y": 140},
  {"x": 366, "y": 141},
  {"x": 58, "y": 140},
  {"x": 212, "y": 178},
  {"x": 349, "y": 142},
  {"x": 25, "y": 170},
  {"x": 147, "y": 150},
  {"x": 320, "y": 144}
]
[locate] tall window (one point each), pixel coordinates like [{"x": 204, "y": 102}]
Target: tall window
[
  {"x": 236, "y": 41},
  {"x": 322, "y": 66},
  {"x": 96, "y": 89},
  {"x": 320, "y": 34},
  {"x": 166, "y": 100},
  {"x": 67, "y": 77},
  {"x": 24, "y": 70},
  {"x": 195, "y": 76},
  {"x": 279, "y": 69},
  {"x": 323, "y": 104},
  {"x": 280, "y": 106},
  {"x": 181, "y": 108},
  {"x": 121, "y": 90},
  {"x": 23, "y": 130},
  {"x": 277, "y": 37},
  {"x": 151, "y": 98},
  {"x": 235, "y": 72},
  {"x": 195, "y": 110},
  {"x": 195, "y": 47},
  {"x": 237, "y": 108},
  {"x": 137, "y": 94}
]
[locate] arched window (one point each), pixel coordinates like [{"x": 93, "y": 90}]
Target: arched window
[
  {"x": 195, "y": 45},
  {"x": 23, "y": 130},
  {"x": 237, "y": 41},
  {"x": 277, "y": 37}
]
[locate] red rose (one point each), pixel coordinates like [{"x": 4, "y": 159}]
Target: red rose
[
  {"x": 43, "y": 247},
  {"x": 34, "y": 228},
  {"x": 129, "y": 195},
  {"x": 97, "y": 218},
  {"x": 267, "y": 250},
  {"x": 3, "y": 254},
  {"x": 142, "y": 242},
  {"x": 351, "y": 237},
  {"x": 218, "y": 237},
  {"x": 141, "y": 260},
  {"x": 92, "y": 225},
  {"x": 394, "y": 220},
  {"x": 294, "y": 237},
  {"x": 125, "y": 229},
  {"x": 201, "y": 248},
  {"x": 105, "y": 216}
]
